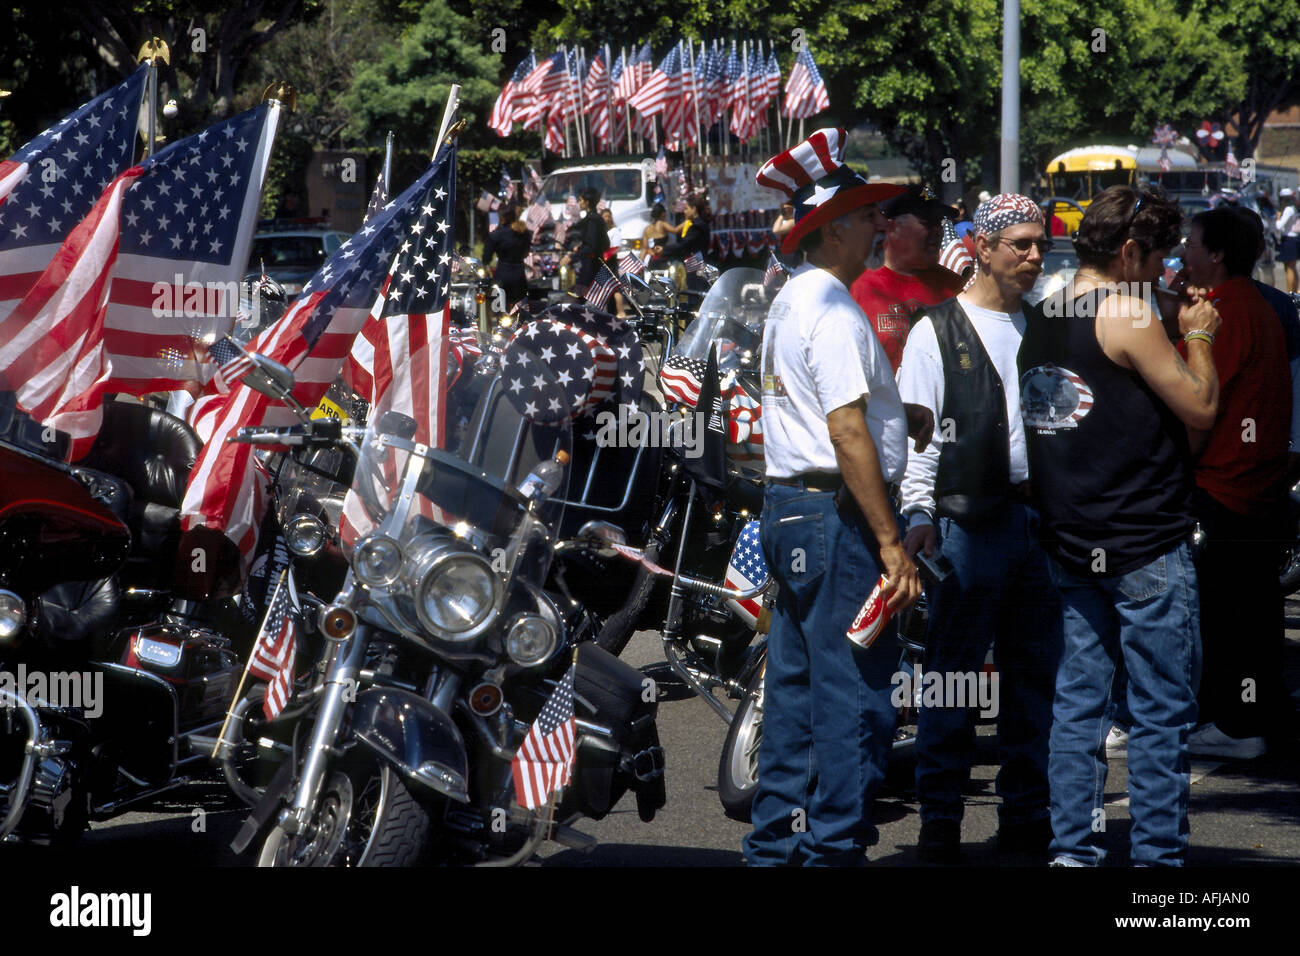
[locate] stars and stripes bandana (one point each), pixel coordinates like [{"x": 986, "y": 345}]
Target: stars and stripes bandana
[{"x": 1005, "y": 210}]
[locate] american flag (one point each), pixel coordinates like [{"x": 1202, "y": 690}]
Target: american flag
[
  {"x": 313, "y": 339},
  {"x": 378, "y": 198},
  {"x": 540, "y": 89},
  {"x": 538, "y": 214},
  {"x": 680, "y": 378},
  {"x": 744, "y": 422},
  {"x": 759, "y": 86},
  {"x": 715, "y": 86},
  {"x": 585, "y": 366},
  {"x": 805, "y": 90},
  {"x": 149, "y": 275},
  {"x": 544, "y": 761},
  {"x": 605, "y": 285},
  {"x": 773, "y": 76},
  {"x": 51, "y": 183},
  {"x": 775, "y": 274},
  {"x": 532, "y": 184},
  {"x": 629, "y": 263},
  {"x": 232, "y": 361},
  {"x": 747, "y": 569},
  {"x": 741, "y": 99},
  {"x": 663, "y": 88},
  {"x": 1231, "y": 166},
  {"x": 273, "y": 654},
  {"x": 504, "y": 110},
  {"x": 635, "y": 75},
  {"x": 694, "y": 262},
  {"x": 955, "y": 257},
  {"x": 595, "y": 95}
]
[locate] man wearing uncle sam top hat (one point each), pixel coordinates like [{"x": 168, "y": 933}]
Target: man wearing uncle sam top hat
[{"x": 834, "y": 431}]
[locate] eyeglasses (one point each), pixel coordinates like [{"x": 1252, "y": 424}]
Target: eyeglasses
[{"x": 1022, "y": 246}]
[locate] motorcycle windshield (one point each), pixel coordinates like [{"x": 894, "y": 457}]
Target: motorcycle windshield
[
  {"x": 732, "y": 316},
  {"x": 467, "y": 496}
]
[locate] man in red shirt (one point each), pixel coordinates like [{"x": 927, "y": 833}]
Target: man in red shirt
[
  {"x": 1240, "y": 497},
  {"x": 911, "y": 277}
]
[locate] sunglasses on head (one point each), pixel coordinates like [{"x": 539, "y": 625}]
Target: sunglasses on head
[{"x": 1022, "y": 246}]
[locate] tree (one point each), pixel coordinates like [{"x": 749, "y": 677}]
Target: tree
[
  {"x": 405, "y": 89},
  {"x": 1263, "y": 41}
]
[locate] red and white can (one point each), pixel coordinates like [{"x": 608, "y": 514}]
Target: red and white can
[{"x": 873, "y": 617}]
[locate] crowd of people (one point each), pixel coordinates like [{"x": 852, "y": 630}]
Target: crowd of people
[{"x": 1104, "y": 473}]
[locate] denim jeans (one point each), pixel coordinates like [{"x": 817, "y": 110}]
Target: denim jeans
[
  {"x": 828, "y": 721},
  {"x": 1150, "y": 620},
  {"x": 999, "y": 593}
]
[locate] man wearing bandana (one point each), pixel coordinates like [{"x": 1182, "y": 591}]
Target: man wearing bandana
[{"x": 972, "y": 481}]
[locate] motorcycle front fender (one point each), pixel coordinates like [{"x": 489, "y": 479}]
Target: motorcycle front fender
[{"x": 416, "y": 738}]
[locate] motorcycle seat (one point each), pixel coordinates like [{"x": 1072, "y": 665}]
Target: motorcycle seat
[{"x": 153, "y": 452}]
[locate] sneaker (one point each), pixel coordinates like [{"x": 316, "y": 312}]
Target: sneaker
[
  {"x": 1066, "y": 861},
  {"x": 1210, "y": 741},
  {"x": 940, "y": 841},
  {"x": 1116, "y": 742}
]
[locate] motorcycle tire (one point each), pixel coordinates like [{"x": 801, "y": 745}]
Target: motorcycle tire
[
  {"x": 738, "y": 765},
  {"x": 396, "y": 834}
]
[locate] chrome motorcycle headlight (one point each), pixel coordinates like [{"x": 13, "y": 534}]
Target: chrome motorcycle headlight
[
  {"x": 13, "y": 615},
  {"x": 456, "y": 593},
  {"x": 531, "y": 640},
  {"x": 377, "y": 561},
  {"x": 305, "y": 535}
]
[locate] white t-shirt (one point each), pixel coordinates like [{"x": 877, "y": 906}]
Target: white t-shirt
[
  {"x": 819, "y": 354},
  {"x": 1288, "y": 223},
  {"x": 920, "y": 382}
]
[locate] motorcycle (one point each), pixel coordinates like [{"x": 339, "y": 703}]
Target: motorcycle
[{"x": 445, "y": 642}]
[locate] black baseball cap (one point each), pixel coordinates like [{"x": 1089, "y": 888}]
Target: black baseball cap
[{"x": 918, "y": 200}]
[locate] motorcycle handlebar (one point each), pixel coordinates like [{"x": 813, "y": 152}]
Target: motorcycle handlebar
[{"x": 321, "y": 432}]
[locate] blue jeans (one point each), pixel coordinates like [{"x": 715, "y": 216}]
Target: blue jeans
[
  {"x": 999, "y": 593},
  {"x": 1150, "y": 620},
  {"x": 828, "y": 721}
]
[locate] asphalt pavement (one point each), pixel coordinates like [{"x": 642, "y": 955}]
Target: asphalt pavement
[{"x": 1243, "y": 813}]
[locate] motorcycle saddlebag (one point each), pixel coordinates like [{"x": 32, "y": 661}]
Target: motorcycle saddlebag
[{"x": 611, "y": 693}]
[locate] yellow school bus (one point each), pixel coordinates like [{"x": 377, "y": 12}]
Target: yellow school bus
[{"x": 1080, "y": 174}]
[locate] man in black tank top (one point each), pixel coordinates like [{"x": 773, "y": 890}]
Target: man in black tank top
[{"x": 1106, "y": 403}]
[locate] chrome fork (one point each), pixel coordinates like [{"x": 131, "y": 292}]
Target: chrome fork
[{"x": 341, "y": 677}]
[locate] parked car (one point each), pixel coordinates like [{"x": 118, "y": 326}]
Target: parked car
[{"x": 292, "y": 256}]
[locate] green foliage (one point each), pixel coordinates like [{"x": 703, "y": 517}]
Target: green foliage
[{"x": 405, "y": 89}]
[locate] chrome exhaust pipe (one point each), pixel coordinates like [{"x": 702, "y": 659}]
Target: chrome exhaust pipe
[{"x": 22, "y": 787}]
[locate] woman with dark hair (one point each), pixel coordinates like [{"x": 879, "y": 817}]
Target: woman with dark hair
[
  {"x": 510, "y": 242},
  {"x": 694, "y": 238},
  {"x": 586, "y": 241},
  {"x": 658, "y": 231}
]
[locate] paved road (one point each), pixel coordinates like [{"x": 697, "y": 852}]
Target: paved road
[{"x": 1242, "y": 813}]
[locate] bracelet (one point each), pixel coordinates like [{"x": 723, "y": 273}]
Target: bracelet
[{"x": 1201, "y": 334}]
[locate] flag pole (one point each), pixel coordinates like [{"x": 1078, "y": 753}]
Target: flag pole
[
  {"x": 627, "y": 110},
  {"x": 695, "y": 91},
  {"x": 448, "y": 114},
  {"x": 230, "y": 710},
  {"x": 388, "y": 165},
  {"x": 153, "y": 50}
]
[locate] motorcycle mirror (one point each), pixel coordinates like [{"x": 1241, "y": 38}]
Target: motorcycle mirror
[
  {"x": 662, "y": 286},
  {"x": 269, "y": 377},
  {"x": 395, "y": 423},
  {"x": 637, "y": 288},
  {"x": 709, "y": 274}
]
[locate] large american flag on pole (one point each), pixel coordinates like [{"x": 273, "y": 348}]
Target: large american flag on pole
[
  {"x": 544, "y": 761},
  {"x": 51, "y": 183},
  {"x": 313, "y": 339},
  {"x": 400, "y": 358},
  {"x": 273, "y": 653},
  {"x": 139, "y": 287}
]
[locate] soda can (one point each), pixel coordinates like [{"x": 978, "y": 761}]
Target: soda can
[{"x": 873, "y": 617}]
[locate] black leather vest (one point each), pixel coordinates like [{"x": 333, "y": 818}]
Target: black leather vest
[{"x": 975, "y": 466}]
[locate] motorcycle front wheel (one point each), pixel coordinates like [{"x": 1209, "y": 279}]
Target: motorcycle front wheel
[
  {"x": 365, "y": 816},
  {"x": 738, "y": 765}
]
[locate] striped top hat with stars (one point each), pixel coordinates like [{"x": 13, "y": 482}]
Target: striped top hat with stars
[{"x": 814, "y": 177}]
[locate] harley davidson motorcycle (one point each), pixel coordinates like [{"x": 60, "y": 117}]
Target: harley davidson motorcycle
[{"x": 445, "y": 642}]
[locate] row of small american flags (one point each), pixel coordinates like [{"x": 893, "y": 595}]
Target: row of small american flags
[{"x": 692, "y": 89}]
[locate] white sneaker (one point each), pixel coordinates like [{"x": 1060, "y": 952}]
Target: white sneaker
[
  {"x": 1116, "y": 742},
  {"x": 1210, "y": 741}
]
